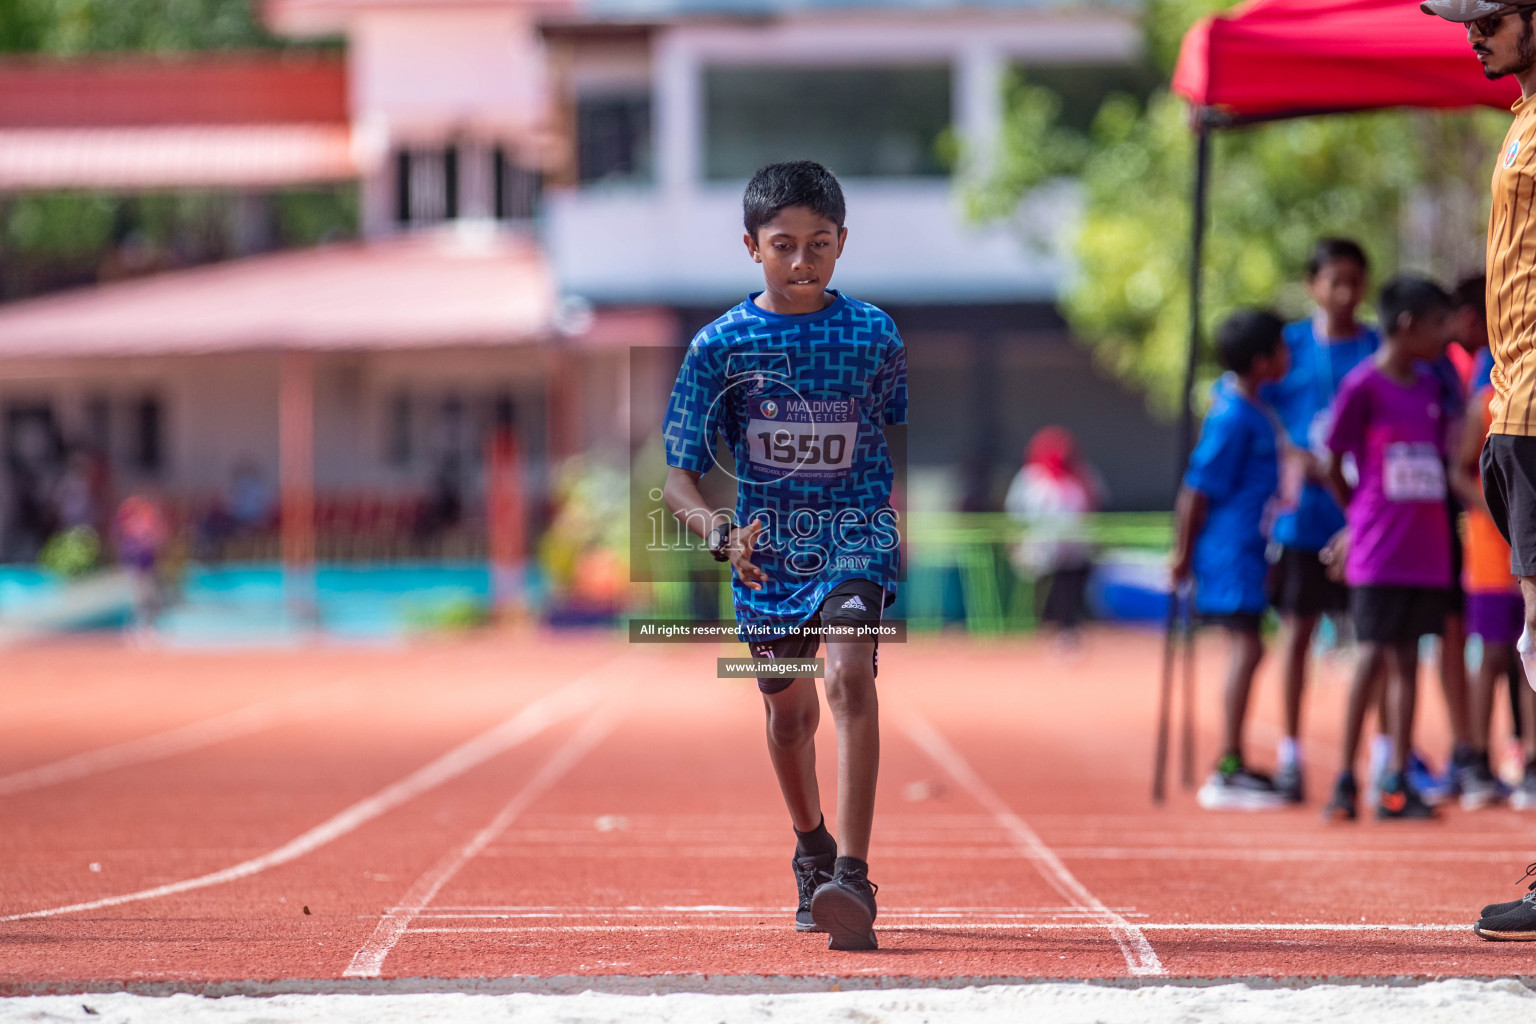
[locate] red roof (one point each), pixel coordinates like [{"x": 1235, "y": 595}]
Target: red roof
[
  {"x": 1273, "y": 57},
  {"x": 176, "y": 156},
  {"x": 444, "y": 289},
  {"x": 232, "y": 89},
  {"x": 407, "y": 292}
]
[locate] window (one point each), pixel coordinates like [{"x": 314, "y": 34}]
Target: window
[
  {"x": 613, "y": 139},
  {"x": 148, "y": 436},
  {"x": 517, "y": 189},
  {"x": 399, "y": 432},
  {"x": 860, "y": 122}
]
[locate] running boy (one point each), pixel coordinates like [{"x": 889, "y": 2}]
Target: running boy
[
  {"x": 1222, "y": 508},
  {"x": 1323, "y": 349},
  {"x": 1390, "y": 422},
  {"x": 802, "y": 381}
]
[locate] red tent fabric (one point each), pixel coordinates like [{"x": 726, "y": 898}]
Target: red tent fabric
[{"x": 1270, "y": 58}]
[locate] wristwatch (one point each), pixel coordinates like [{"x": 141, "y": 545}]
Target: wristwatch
[{"x": 719, "y": 537}]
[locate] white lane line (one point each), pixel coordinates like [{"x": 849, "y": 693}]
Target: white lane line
[
  {"x": 1140, "y": 958},
  {"x": 957, "y": 927},
  {"x": 548, "y": 710},
  {"x": 724, "y": 909},
  {"x": 1083, "y": 916},
  {"x": 229, "y": 726},
  {"x": 368, "y": 962}
]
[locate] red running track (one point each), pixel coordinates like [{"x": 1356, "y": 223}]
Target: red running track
[{"x": 532, "y": 808}]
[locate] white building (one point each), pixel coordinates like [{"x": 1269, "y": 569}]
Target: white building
[{"x": 597, "y": 151}]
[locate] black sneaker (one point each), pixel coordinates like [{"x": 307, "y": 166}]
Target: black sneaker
[
  {"x": 845, "y": 908},
  {"x": 1290, "y": 785},
  {"x": 1346, "y": 797},
  {"x": 1398, "y": 801},
  {"x": 1516, "y": 925},
  {"x": 810, "y": 874},
  {"x": 1496, "y": 909},
  {"x": 1232, "y": 786},
  {"x": 1479, "y": 788}
]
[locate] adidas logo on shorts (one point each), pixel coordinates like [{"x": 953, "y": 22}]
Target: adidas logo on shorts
[{"x": 854, "y": 602}]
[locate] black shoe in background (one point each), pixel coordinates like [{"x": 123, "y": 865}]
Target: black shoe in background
[
  {"x": 1398, "y": 801},
  {"x": 1346, "y": 797},
  {"x": 810, "y": 874},
  {"x": 1290, "y": 784}
]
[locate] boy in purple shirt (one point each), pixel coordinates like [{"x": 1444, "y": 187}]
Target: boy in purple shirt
[{"x": 1389, "y": 423}]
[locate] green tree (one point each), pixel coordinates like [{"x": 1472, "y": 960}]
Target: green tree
[
  {"x": 57, "y": 239},
  {"x": 1410, "y": 186},
  {"x": 64, "y": 28}
]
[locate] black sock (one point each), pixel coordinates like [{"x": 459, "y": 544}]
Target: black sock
[
  {"x": 850, "y": 864},
  {"x": 818, "y": 842}
]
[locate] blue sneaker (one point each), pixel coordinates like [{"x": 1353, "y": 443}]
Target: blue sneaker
[{"x": 1433, "y": 789}]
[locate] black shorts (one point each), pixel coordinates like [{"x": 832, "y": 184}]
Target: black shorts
[
  {"x": 1395, "y": 615},
  {"x": 851, "y": 603},
  {"x": 1509, "y": 484},
  {"x": 1298, "y": 584},
  {"x": 1236, "y": 622}
]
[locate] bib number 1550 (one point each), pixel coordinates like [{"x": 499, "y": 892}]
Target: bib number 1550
[{"x": 786, "y": 448}]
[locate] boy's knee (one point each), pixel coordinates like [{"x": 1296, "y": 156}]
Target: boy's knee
[
  {"x": 790, "y": 727},
  {"x": 851, "y": 694}
]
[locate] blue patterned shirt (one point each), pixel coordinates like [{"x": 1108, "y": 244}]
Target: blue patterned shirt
[{"x": 802, "y": 402}]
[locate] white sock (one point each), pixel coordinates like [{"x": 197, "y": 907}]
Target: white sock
[
  {"x": 1289, "y": 752},
  {"x": 1381, "y": 753}
]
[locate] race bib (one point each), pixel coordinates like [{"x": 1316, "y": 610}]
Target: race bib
[
  {"x": 809, "y": 438},
  {"x": 1413, "y": 472}
]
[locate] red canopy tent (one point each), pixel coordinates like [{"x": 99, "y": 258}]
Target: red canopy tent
[
  {"x": 1267, "y": 60},
  {"x": 1284, "y": 58}
]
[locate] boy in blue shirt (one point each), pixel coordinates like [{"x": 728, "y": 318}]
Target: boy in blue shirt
[
  {"x": 1233, "y": 475},
  {"x": 1323, "y": 349},
  {"x": 802, "y": 382}
]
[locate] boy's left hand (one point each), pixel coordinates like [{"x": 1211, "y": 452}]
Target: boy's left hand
[{"x": 740, "y": 547}]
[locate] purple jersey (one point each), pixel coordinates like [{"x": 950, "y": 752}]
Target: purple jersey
[{"x": 1400, "y": 532}]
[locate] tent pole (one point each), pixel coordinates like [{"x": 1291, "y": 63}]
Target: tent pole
[
  {"x": 1186, "y": 445},
  {"x": 1196, "y": 264},
  {"x": 1187, "y": 419}
]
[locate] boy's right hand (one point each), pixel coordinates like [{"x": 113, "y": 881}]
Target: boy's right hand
[
  {"x": 1180, "y": 569},
  {"x": 740, "y": 549},
  {"x": 1335, "y": 555}
]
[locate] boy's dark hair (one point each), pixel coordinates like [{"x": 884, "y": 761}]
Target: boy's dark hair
[
  {"x": 1331, "y": 250},
  {"x": 797, "y": 183},
  {"x": 1472, "y": 293},
  {"x": 1245, "y": 336},
  {"x": 1409, "y": 293}
]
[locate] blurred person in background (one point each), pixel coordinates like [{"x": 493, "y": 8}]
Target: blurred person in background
[
  {"x": 1471, "y": 295},
  {"x": 1222, "y": 513},
  {"x": 1432, "y": 786},
  {"x": 1052, "y": 496},
  {"x": 140, "y": 534},
  {"x": 247, "y": 505},
  {"x": 1389, "y": 422},
  {"x": 1323, "y": 349},
  {"x": 1495, "y": 615}
]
